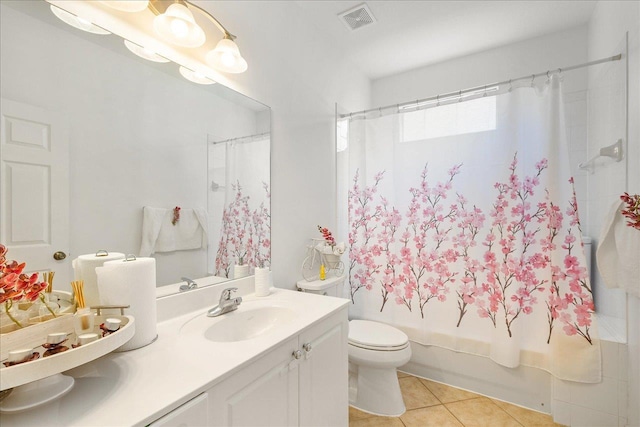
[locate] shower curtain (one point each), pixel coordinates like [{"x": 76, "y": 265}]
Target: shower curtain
[
  {"x": 464, "y": 230},
  {"x": 240, "y": 200}
]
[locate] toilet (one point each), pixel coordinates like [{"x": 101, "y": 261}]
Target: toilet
[{"x": 376, "y": 350}]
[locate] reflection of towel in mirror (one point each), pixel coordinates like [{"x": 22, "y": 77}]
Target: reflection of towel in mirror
[
  {"x": 618, "y": 253},
  {"x": 160, "y": 235}
]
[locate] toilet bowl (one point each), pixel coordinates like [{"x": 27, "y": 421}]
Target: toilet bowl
[{"x": 376, "y": 350}]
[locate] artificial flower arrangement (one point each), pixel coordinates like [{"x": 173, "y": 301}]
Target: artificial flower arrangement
[
  {"x": 329, "y": 246},
  {"x": 632, "y": 212},
  {"x": 17, "y": 288}
]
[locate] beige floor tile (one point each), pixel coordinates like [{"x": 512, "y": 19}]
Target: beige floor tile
[
  {"x": 377, "y": 422},
  {"x": 356, "y": 414},
  {"x": 433, "y": 416},
  {"x": 448, "y": 394},
  {"x": 403, "y": 374},
  {"x": 527, "y": 417},
  {"x": 415, "y": 394},
  {"x": 481, "y": 412}
]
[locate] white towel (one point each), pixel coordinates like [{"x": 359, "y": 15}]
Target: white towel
[
  {"x": 160, "y": 235},
  {"x": 618, "y": 253}
]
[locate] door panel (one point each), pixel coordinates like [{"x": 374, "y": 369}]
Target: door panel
[{"x": 34, "y": 188}]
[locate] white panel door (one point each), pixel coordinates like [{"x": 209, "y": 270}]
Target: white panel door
[{"x": 34, "y": 188}]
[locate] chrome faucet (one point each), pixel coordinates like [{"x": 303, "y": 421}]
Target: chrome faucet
[
  {"x": 191, "y": 284},
  {"x": 226, "y": 303}
]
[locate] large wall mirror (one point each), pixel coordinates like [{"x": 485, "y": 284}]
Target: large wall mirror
[{"x": 142, "y": 141}]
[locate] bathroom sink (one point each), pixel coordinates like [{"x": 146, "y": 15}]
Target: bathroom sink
[{"x": 247, "y": 322}]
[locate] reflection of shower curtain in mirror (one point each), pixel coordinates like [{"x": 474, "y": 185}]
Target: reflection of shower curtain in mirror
[
  {"x": 239, "y": 203},
  {"x": 464, "y": 231}
]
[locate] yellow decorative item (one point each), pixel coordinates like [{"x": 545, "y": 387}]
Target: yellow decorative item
[{"x": 323, "y": 272}]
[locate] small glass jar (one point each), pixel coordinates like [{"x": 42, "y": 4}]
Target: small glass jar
[{"x": 83, "y": 321}]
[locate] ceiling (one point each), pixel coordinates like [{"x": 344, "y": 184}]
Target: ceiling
[{"x": 412, "y": 34}]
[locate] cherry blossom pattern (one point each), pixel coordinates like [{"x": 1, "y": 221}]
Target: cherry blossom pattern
[
  {"x": 362, "y": 225},
  {"x": 510, "y": 271}
]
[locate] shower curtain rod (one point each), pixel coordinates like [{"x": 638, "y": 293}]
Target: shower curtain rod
[
  {"x": 459, "y": 93},
  {"x": 249, "y": 138}
]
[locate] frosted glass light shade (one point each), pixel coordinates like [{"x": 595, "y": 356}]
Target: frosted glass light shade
[
  {"x": 177, "y": 26},
  {"x": 145, "y": 53},
  {"x": 128, "y": 5},
  {"x": 226, "y": 57},
  {"x": 77, "y": 22},
  {"x": 195, "y": 77}
]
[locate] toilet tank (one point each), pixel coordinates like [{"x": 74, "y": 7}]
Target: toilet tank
[{"x": 332, "y": 286}]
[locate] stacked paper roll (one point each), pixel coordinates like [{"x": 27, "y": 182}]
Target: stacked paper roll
[
  {"x": 84, "y": 268},
  {"x": 240, "y": 271},
  {"x": 262, "y": 284},
  {"x": 132, "y": 283}
]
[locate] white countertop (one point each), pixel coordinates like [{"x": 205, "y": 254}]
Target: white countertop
[{"x": 138, "y": 387}]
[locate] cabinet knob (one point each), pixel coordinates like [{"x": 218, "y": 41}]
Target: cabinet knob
[
  {"x": 307, "y": 347},
  {"x": 297, "y": 354}
]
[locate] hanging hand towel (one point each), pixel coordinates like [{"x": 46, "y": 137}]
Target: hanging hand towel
[
  {"x": 160, "y": 235},
  {"x": 618, "y": 254}
]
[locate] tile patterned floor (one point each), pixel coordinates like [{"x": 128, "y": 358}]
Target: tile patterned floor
[{"x": 431, "y": 404}]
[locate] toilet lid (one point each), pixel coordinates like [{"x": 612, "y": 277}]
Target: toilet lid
[{"x": 367, "y": 334}]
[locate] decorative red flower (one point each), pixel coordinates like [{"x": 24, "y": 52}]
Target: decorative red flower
[{"x": 632, "y": 212}]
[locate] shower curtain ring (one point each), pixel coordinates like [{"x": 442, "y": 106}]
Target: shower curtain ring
[
  {"x": 459, "y": 95},
  {"x": 547, "y": 73},
  {"x": 485, "y": 91},
  {"x": 559, "y": 70},
  {"x": 533, "y": 77},
  {"x": 438, "y": 101},
  {"x": 510, "y": 85}
]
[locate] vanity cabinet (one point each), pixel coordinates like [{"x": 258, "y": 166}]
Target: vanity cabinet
[
  {"x": 303, "y": 381},
  {"x": 191, "y": 414}
]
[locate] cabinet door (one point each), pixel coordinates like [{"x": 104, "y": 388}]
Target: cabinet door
[
  {"x": 324, "y": 377},
  {"x": 264, "y": 393},
  {"x": 193, "y": 413}
]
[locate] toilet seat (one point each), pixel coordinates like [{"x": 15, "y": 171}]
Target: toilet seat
[{"x": 376, "y": 336}]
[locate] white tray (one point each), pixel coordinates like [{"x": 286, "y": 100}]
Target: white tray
[{"x": 23, "y": 373}]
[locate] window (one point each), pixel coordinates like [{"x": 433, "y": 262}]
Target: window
[{"x": 476, "y": 115}]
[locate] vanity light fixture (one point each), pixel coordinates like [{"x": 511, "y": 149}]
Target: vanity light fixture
[
  {"x": 77, "y": 22},
  {"x": 195, "y": 77},
  {"x": 145, "y": 53},
  {"x": 175, "y": 23}
]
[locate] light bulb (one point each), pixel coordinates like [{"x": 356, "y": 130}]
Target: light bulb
[
  {"x": 179, "y": 28},
  {"x": 228, "y": 59}
]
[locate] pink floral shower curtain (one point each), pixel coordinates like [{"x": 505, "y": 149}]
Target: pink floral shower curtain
[{"x": 471, "y": 240}]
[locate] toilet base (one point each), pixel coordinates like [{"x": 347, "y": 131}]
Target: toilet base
[{"x": 376, "y": 391}]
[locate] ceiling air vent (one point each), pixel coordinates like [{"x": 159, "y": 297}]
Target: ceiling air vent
[{"x": 358, "y": 17}]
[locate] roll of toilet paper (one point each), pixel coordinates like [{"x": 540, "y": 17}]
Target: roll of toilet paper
[
  {"x": 240, "y": 271},
  {"x": 262, "y": 284},
  {"x": 133, "y": 283},
  {"x": 84, "y": 268}
]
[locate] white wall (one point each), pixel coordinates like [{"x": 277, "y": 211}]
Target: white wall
[
  {"x": 608, "y": 24},
  {"x": 297, "y": 72}
]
